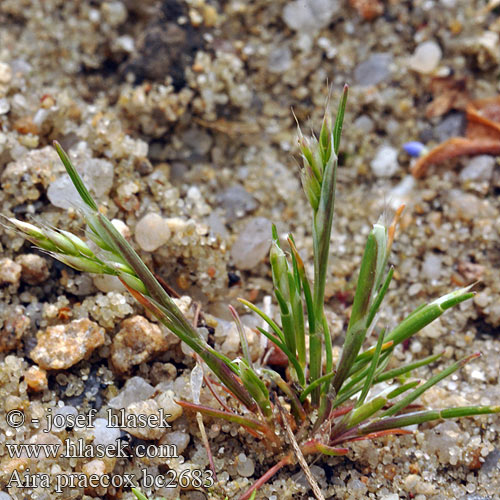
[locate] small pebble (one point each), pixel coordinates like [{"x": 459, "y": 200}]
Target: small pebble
[
  {"x": 108, "y": 283},
  {"x": 252, "y": 244},
  {"x": 166, "y": 401},
  {"x": 431, "y": 268},
  {"x": 426, "y": 57},
  {"x": 96, "y": 469},
  {"x": 115, "y": 13},
  {"x": 364, "y": 123},
  {"x": 151, "y": 232},
  {"x": 317, "y": 471},
  {"x": 10, "y": 272},
  {"x": 197, "y": 141},
  {"x": 452, "y": 125},
  {"x": 244, "y": 465},
  {"x": 468, "y": 207},
  {"x": 491, "y": 461},
  {"x": 148, "y": 407},
  {"x": 36, "y": 378},
  {"x": 280, "y": 59},
  {"x": 376, "y": 69},
  {"x": 65, "y": 411},
  {"x": 34, "y": 269},
  {"x": 137, "y": 341},
  {"x": 310, "y": 15},
  {"x": 15, "y": 325},
  {"x": 62, "y": 346},
  {"x": 136, "y": 389},
  {"x": 41, "y": 438},
  {"x": 103, "y": 434},
  {"x": 479, "y": 168},
  {"x": 4, "y": 106},
  {"x": 97, "y": 174},
  {"x": 385, "y": 163},
  {"x": 179, "y": 439},
  {"x": 237, "y": 202},
  {"x": 5, "y": 73}
]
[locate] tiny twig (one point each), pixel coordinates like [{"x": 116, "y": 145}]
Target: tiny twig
[
  {"x": 298, "y": 453},
  {"x": 201, "y": 425}
]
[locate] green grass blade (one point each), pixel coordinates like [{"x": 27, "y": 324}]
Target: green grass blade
[
  {"x": 297, "y": 408},
  {"x": 298, "y": 318},
  {"x": 400, "y": 390},
  {"x": 276, "y": 329},
  {"x": 339, "y": 120},
  {"x": 138, "y": 494},
  {"x": 328, "y": 353},
  {"x": 403, "y": 370},
  {"x": 305, "y": 284},
  {"x": 355, "y": 385},
  {"x": 426, "y": 314},
  {"x": 380, "y": 297},
  {"x": 157, "y": 292},
  {"x": 371, "y": 371},
  {"x": 230, "y": 417},
  {"x": 288, "y": 354},
  {"x": 357, "y": 327},
  {"x": 243, "y": 337},
  {"x": 313, "y": 385},
  {"x": 316, "y": 446},
  {"x": 365, "y": 411},
  {"x": 257, "y": 389},
  {"x": 286, "y": 322},
  {"x": 432, "y": 381},
  {"x": 75, "y": 178},
  {"x": 420, "y": 417}
]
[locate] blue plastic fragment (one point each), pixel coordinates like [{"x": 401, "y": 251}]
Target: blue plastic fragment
[{"x": 414, "y": 148}]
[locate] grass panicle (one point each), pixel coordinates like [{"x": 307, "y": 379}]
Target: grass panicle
[{"x": 329, "y": 405}]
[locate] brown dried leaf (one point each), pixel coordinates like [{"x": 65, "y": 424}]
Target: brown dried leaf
[
  {"x": 482, "y": 136},
  {"x": 483, "y": 119},
  {"x": 456, "y": 146},
  {"x": 449, "y": 93}
]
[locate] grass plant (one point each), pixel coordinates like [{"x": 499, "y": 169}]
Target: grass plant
[{"x": 316, "y": 408}]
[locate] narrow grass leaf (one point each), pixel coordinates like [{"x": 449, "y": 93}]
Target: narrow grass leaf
[
  {"x": 243, "y": 337},
  {"x": 371, "y": 371},
  {"x": 403, "y": 370},
  {"x": 276, "y": 329},
  {"x": 420, "y": 417},
  {"x": 316, "y": 446},
  {"x": 339, "y": 120},
  {"x": 426, "y": 314},
  {"x": 305, "y": 284},
  {"x": 432, "y": 381},
  {"x": 356, "y": 329},
  {"x": 257, "y": 389},
  {"x": 313, "y": 385},
  {"x": 75, "y": 177},
  {"x": 138, "y": 494},
  {"x": 230, "y": 417},
  {"x": 380, "y": 297},
  {"x": 288, "y": 354}
]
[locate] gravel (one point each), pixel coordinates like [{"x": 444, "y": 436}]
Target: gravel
[
  {"x": 385, "y": 163},
  {"x": 426, "y": 57}
]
